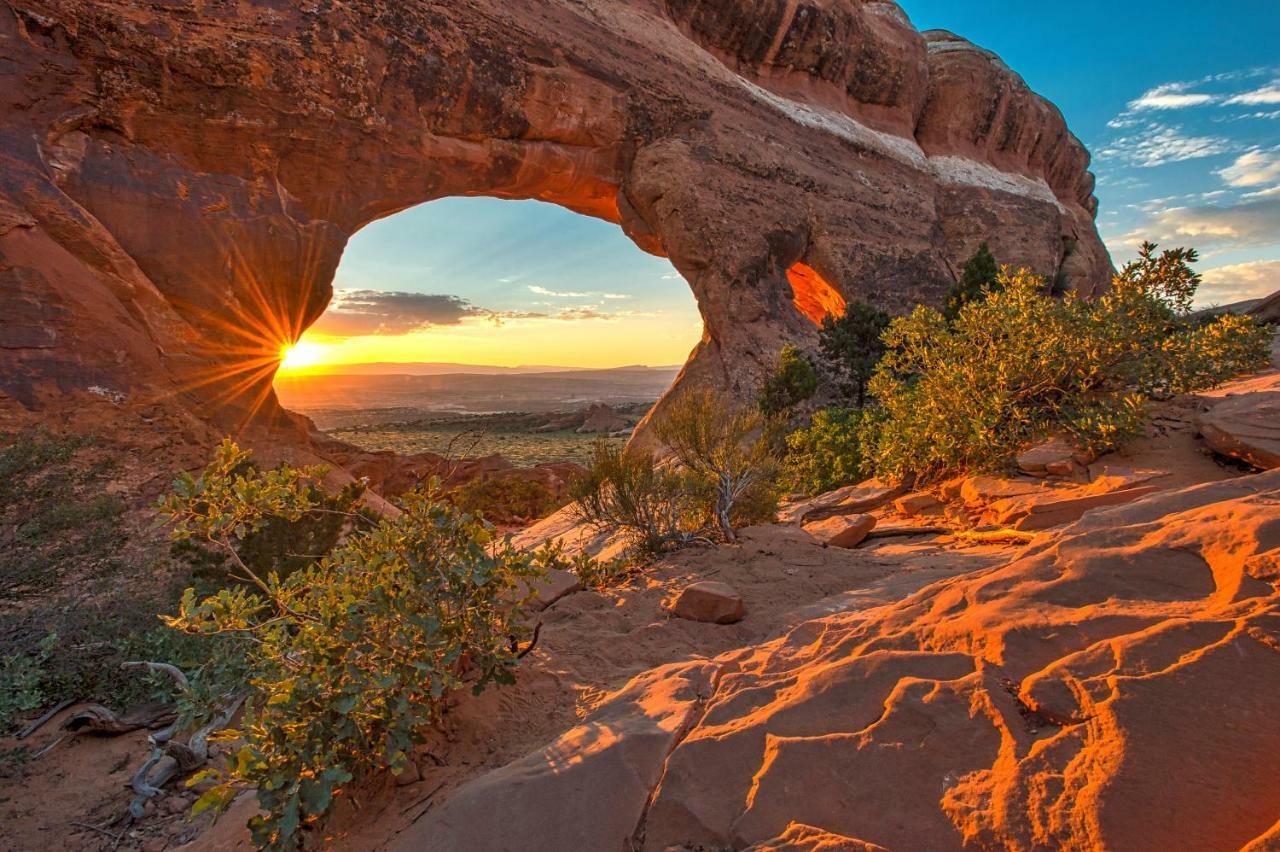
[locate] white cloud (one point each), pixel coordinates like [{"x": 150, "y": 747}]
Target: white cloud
[
  {"x": 1271, "y": 192},
  {"x": 1268, "y": 95},
  {"x": 1159, "y": 144},
  {"x": 1253, "y": 168},
  {"x": 1171, "y": 96},
  {"x": 1239, "y": 282},
  {"x": 1252, "y": 223},
  {"x": 543, "y": 291}
]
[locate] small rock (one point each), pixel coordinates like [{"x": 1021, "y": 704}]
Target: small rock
[
  {"x": 175, "y": 805},
  {"x": 842, "y": 531},
  {"x": 710, "y": 601},
  {"x": 409, "y": 775},
  {"x": 1056, "y": 451},
  {"x": 1062, "y": 467},
  {"x": 155, "y": 844},
  {"x": 916, "y": 504}
]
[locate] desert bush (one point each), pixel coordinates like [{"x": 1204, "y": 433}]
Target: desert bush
[
  {"x": 794, "y": 381},
  {"x": 852, "y": 345},
  {"x": 505, "y": 499},
  {"x": 730, "y": 454},
  {"x": 836, "y": 449},
  {"x": 654, "y": 506},
  {"x": 353, "y": 655},
  {"x": 1020, "y": 364},
  {"x": 591, "y": 572},
  {"x": 22, "y": 682},
  {"x": 980, "y": 275}
]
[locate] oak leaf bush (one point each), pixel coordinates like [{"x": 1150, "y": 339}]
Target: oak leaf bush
[{"x": 354, "y": 654}]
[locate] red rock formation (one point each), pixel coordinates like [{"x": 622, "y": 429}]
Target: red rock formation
[
  {"x": 1112, "y": 687},
  {"x": 178, "y": 180}
]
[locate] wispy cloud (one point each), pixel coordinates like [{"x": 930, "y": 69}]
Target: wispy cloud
[
  {"x": 1253, "y": 168},
  {"x": 1268, "y": 95},
  {"x": 1171, "y": 96},
  {"x": 354, "y": 313},
  {"x": 364, "y": 313},
  {"x": 1250, "y": 224},
  {"x": 543, "y": 291},
  {"x": 1239, "y": 282},
  {"x": 1159, "y": 144}
]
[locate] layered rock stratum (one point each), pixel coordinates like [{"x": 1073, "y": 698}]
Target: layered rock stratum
[{"x": 178, "y": 180}]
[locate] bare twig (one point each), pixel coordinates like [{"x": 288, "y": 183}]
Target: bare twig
[
  {"x": 537, "y": 630},
  {"x": 43, "y": 720},
  {"x": 48, "y": 748},
  {"x": 159, "y": 668},
  {"x": 96, "y": 828}
]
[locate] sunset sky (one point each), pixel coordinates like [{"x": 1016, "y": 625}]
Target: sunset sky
[{"x": 1178, "y": 101}]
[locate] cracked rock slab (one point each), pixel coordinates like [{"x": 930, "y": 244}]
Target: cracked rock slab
[{"x": 588, "y": 789}]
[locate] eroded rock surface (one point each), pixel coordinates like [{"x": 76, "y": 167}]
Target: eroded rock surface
[
  {"x": 1112, "y": 686},
  {"x": 178, "y": 180},
  {"x": 1030, "y": 706}
]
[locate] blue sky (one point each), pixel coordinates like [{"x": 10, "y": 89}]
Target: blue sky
[
  {"x": 1180, "y": 104},
  {"x": 1178, "y": 101}
]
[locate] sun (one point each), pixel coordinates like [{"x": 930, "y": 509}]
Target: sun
[{"x": 299, "y": 356}]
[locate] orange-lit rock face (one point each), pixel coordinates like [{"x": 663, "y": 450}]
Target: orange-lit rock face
[
  {"x": 178, "y": 181},
  {"x": 812, "y": 295}
]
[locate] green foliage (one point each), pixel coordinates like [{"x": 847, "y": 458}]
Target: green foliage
[
  {"x": 354, "y": 654},
  {"x": 505, "y": 499},
  {"x": 1019, "y": 364},
  {"x": 22, "y": 682},
  {"x": 653, "y": 506},
  {"x": 835, "y": 450},
  {"x": 54, "y": 517},
  {"x": 729, "y": 453},
  {"x": 794, "y": 381},
  {"x": 591, "y": 572},
  {"x": 852, "y": 346},
  {"x": 1167, "y": 278},
  {"x": 980, "y": 276}
]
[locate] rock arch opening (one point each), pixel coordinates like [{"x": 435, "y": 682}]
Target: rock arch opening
[{"x": 478, "y": 307}]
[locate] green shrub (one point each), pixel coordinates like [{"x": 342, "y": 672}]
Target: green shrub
[
  {"x": 353, "y": 655},
  {"x": 836, "y": 449},
  {"x": 794, "y": 381},
  {"x": 728, "y": 451},
  {"x": 653, "y": 506},
  {"x": 981, "y": 275},
  {"x": 1020, "y": 364},
  {"x": 22, "y": 682},
  {"x": 505, "y": 499},
  {"x": 852, "y": 345},
  {"x": 591, "y": 572}
]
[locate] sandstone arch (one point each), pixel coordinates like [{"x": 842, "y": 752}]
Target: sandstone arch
[{"x": 178, "y": 180}]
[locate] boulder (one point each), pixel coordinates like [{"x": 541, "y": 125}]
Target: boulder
[
  {"x": 1246, "y": 427},
  {"x": 978, "y": 491},
  {"x": 709, "y": 601},
  {"x": 846, "y": 531},
  {"x": 1059, "y": 456},
  {"x": 852, "y": 499},
  {"x": 602, "y": 418},
  {"x": 1052, "y": 510},
  {"x": 916, "y": 504}
]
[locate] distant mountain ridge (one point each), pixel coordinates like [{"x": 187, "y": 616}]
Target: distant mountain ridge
[{"x": 446, "y": 368}]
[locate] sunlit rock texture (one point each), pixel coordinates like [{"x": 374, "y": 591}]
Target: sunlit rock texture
[{"x": 178, "y": 179}]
